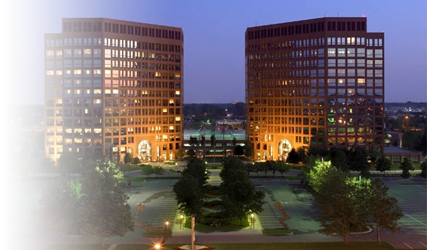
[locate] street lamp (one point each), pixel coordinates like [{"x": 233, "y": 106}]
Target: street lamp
[
  {"x": 182, "y": 221},
  {"x": 157, "y": 246},
  {"x": 252, "y": 220},
  {"x": 164, "y": 231}
]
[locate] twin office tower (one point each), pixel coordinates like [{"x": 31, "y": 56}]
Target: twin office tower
[{"x": 116, "y": 87}]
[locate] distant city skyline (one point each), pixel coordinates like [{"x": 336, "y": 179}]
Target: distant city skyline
[{"x": 214, "y": 62}]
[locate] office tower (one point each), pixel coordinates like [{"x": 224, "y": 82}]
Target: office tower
[
  {"x": 114, "y": 87},
  {"x": 317, "y": 82}
]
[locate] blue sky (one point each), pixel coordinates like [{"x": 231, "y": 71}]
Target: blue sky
[{"x": 214, "y": 39}]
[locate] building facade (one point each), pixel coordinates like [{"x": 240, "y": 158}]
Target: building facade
[
  {"x": 114, "y": 87},
  {"x": 317, "y": 82}
]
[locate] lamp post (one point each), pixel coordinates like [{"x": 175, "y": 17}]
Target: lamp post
[
  {"x": 182, "y": 221},
  {"x": 164, "y": 231},
  {"x": 252, "y": 220}
]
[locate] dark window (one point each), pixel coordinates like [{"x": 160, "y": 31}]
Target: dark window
[
  {"x": 329, "y": 26},
  {"x": 353, "y": 26},
  {"x": 333, "y": 26},
  {"x": 339, "y": 26}
]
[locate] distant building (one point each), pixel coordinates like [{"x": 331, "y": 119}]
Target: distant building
[
  {"x": 315, "y": 82},
  {"x": 114, "y": 87}
]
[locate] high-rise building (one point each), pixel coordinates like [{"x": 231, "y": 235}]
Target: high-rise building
[
  {"x": 114, "y": 87},
  {"x": 317, "y": 82}
]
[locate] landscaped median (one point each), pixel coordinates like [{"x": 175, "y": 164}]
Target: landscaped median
[
  {"x": 276, "y": 232},
  {"x": 243, "y": 246}
]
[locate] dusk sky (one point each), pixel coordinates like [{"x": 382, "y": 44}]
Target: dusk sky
[{"x": 214, "y": 70}]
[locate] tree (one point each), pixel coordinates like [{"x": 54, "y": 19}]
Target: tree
[
  {"x": 383, "y": 209},
  {"x": 193, "y": 141},
  {"x": 337, "y": 209},
  {"x": 238, "y": 150},
  {"x": 10, "y": 143},
  {"x": 70, "y": 162},
  {"x": 46, "y": 166},
  {"x": 359, "y": 161},
  {"x": 197, "y": 169},
  {"x": 136, "y": 160},
  {"x": 105, "y": 210},
  {"x": 293, "y": 157},
  {"x": 6, "y": 169},
  {"x": 234, "y": 143},
  {"x": 406, "y": 165},
  {"x": 282, "y": 167},
  {"x": 382, "y": 163},
  {"x": 191, "y": 153},
  {"x": 11, "y": 154},
  {"x": 423, "y": 168},
  {"x": 179, "y": 154},
  {"x": 59, "y": 203},
  {"x": 23, "y": 168},
  {"x": 239, "y": 195},
  {"x": 189, "y": 196},
  {"x": 157, "y": 170},
  {"x": 339, "y": 159},
  {"x": 249, "y": 150},
  {"x": 309, "y": 163},
  {"x": 318, "y": 174},
  {"x": 147, "y": 170},
  {"x": 203, "y": 143},
  {"x": 128, "y": 158}
]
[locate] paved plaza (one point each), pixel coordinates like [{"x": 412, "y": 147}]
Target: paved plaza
[{"x": 284, "y": 198}]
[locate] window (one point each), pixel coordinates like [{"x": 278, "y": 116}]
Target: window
[
  {"x": 360, "y": 52},
  {"x": 97, "y": 53},
  {"x": 341, "y": 52},
  {"x": 331, "y": 52},
  {"x": 50, "y": 53},
  {"x": 77, "y": 52},
  {"x": 378, "y": 53},
  {"x": 361, "y": 63},
  {"x": 49, "y": 64},
  {"x": 87, "y": 63},
  {"x": 350, "y": 52},
  {"x": 87, "y": 52},
  {"x": 341, "y": 62},
  {"x": 59, "y": 54}
]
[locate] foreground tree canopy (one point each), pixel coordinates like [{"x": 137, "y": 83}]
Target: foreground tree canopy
[
  {"x": 94, "y": 204},
  {"x": 351, "y": 204}
]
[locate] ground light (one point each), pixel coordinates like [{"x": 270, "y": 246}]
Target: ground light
[{"x": 157, "y": 246}]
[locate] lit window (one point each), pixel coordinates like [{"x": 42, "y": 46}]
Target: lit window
[
  {"x": 77, "y": 52},
  {"x": 87, "y": 52},
  {"x": 50, "y": 53}
]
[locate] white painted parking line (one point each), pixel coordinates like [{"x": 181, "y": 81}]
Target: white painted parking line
[
  {"x": 415, "y": 219},
  {"x": 422, "y": 243},
  {"x": 17, "y": 223},
  {"x": 407, "y": 245}
]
